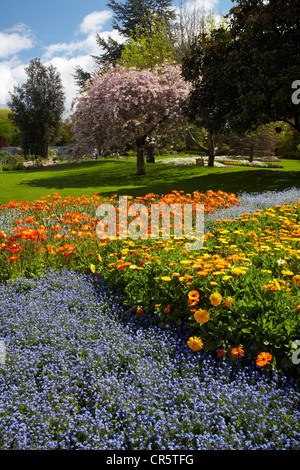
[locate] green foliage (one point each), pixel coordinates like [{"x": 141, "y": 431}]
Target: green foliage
[
  {"x": 37, "y": 107},
  {"x": 6, "y": 167},
  {"x": 128, "y": 18},
  {"x": 8, "y": 130},
  {"x": 288, "y": 140},
  {"x": 145, "y": 49},
  {"x": 242, "y": 74},
  {"x": 133, "y": 14}
]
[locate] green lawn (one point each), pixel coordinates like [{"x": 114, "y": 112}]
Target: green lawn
[{"x": 109, "y": 177}]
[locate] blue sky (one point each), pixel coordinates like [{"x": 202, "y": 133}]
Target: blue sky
[{"x": 60, "y": 32}]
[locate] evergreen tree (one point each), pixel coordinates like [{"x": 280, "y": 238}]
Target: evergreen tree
[
  {"x": 129, "y": 17},
  {"x": 37, "y": 107}
]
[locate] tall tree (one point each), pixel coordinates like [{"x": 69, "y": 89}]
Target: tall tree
[
  {"x": 242, "y": 75},
  {"x": 265, "y": 61},
  {"x": 128, "y": 18},
  {"x": 125, "y": 106},
  {"x": 146, "y": 49},
  {"x": 211, "y": 96},
  {"x": 37, "y": 108}
]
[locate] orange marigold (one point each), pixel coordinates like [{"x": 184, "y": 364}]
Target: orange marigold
[
  {"x": 215, "y": 299},
  {"x": 195, "y": 343},
  {"x": 201, "y": 316},
  {"x": 263, "y": 358},
  {"x": 221, "y": 352},
  {"x": 228, "y": 301},
  {"x": 237, "y": 352},
  {"x": 296, "y": 280}
]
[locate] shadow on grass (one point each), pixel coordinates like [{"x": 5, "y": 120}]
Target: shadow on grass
[{"x": 109, "y": 177}]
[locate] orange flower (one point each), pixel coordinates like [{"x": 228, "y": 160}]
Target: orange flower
[
  {"x": 13, "y": 258},
  {"x": 139, "y": 310},
  {"x": 296, "y": 280},
  {"x": 215, "y": 299},
  {"x": 195, "y": 343},
  {"x": 263, "y": 359},
  {"x": 167, "y": 309},
  {"x": 221, "y": 352},
  {"x": 236, "y": 352},
  {"x": 228, "y": 302},
  {"x": 201, "y": 316},
  {"x": 193, "y": 297}
]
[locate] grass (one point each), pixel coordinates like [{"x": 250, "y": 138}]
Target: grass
[{"x": 110, "y": 177}]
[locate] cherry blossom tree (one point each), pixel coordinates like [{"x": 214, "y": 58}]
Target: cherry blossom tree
[{"x": 124, "y": 106}]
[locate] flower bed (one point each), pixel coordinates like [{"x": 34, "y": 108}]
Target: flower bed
[
  {"x": 239, "y": 293},
  {"x": 225, "y": 161},
  {"x": 82, "y": 373}
]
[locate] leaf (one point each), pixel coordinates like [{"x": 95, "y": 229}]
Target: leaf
[{"x": 246, "y": 330}]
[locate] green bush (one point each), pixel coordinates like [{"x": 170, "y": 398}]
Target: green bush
[
  {"x": 18, "y": 166},
  {"x": 6, "y": 167},
  {"x": 291, "y": 156}
]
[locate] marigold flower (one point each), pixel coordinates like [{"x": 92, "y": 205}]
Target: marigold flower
[
  {"x": 193, "y": 295},
  {"x": 139, "y": 310},
  {"x": 228, "y": 301},
  {"x": 167, "y": 309},
  {"x": 13, "y": 258},
  {"x": 215, "y": 299},
  {"x": 195, "y": 343},
  {"x": 263, "y": 359},
  {"x": 201, "y": 316},
  {"x": 166, "y": 278},
  {"x": 93, "y": 268},
  {"x": 287, "y": 272},
  {"x": 296, "y": 280},
  {"x": 236, "y": 352}
]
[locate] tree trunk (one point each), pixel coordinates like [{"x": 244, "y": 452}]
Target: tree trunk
[
  {"x": 211, "y": 150},
  {"x": 150, "y": 153},
  {"x": 251, "y": 157},
  {"x": 140, "y": 144}
]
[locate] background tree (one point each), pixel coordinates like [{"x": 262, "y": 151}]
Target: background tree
[
  {"x": 139, "y": 105},
  {"x": 8, "y": 130},
  {"x": 264, "y": 61},
  {"x": 37, "y": 108},
  {"x": 129, "y": 18},
  {"x": 146, "y": 49},
  {"x": 242, "y": 75},
  {"x": 211, "y": 96}
]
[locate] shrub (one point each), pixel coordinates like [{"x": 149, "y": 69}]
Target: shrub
[
  {"x": 18, "y": 166},
  {"x": 6, "y": 167}
]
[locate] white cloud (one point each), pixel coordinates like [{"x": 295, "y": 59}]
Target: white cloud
[
  {"x": 64, "y": 56},
  {"x": 94, "y": 22},
  {"x": 15, "y": 39},
  {"x": 12, "y": 74}
]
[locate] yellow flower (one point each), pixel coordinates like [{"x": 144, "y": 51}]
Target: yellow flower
[
  {"x": 228, "y": 301},
  {"x": 93, "y": 268},
  {"x": 165, "y": 278},
  {"x": 296, "y": 280},
  {"x": 201, "y": 316},
  {"x": 195, "y": 343},
  {"x": 215, "y": 299},
  {"x": 226, "y": 278},
  {"x": 286, "y": 272}
]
